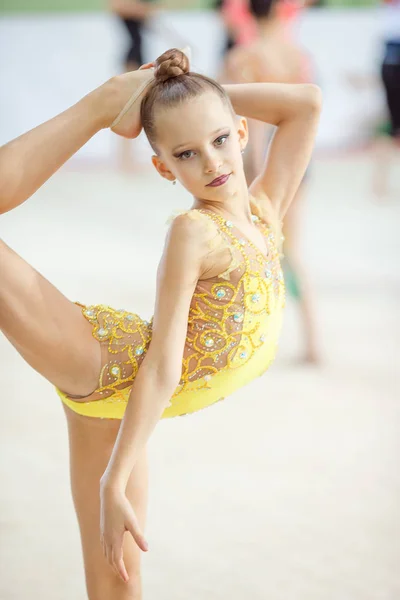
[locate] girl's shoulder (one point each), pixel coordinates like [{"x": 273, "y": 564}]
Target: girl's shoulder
[
  {"x": 195, "y": 223},
  {"x": 215, "y": 246}
]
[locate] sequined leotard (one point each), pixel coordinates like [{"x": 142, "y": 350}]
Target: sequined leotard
[{"x": 233, "y": 328}]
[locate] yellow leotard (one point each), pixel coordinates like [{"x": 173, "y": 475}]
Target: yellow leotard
[{"x": 233, "y": 327}]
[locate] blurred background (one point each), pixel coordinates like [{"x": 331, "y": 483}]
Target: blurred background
[{"x": 289, "y": 490}]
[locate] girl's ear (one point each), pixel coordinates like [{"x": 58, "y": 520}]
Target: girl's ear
[
  {"x": 243, "y": 132},
  {"x": 162, "y": 169}
]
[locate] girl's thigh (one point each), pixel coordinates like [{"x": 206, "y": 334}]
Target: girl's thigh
[
  {"x": 91, "y": 443},
  {"x": 48, "y": 330}
]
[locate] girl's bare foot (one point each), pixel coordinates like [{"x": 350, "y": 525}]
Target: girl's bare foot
[{"x": 124, "y": 95}]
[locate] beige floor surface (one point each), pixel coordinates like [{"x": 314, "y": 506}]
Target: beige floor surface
[{"x": 290, "y": 489}]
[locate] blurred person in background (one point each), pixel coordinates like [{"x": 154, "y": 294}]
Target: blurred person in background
[
  {"x": 388, "y": 144},
  {"x": 289, "y": 12},
  {"x": 275, "y": 57},
  {"x": 134, "y": 15},
  {"x": 239, "y": 23},
  {"x": 386, "y": 132},
  {"x": 219, "y": 297}
]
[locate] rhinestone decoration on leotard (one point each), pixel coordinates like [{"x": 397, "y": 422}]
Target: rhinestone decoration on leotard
[{"x": 227, "y": 323}]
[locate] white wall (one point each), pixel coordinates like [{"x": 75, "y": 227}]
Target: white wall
[{"x": 48, "y": 62}]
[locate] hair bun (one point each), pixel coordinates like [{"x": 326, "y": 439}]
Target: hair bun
[{"x": 172, "y": 63}]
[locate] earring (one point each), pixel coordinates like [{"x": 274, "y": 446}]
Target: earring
[
  {"x": 174, "y": 182},
  {"x": 242, "y": 151}
]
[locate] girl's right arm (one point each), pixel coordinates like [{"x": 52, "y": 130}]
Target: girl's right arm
[{"x": 295, "y": 110}]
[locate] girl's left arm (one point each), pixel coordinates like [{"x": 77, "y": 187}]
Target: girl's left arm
[
  {"x": 294, "y": 109},
  {"x": 155, "y": 383}
]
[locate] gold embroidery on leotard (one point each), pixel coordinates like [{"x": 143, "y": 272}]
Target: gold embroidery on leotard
[{"x": 228, "y": 317}]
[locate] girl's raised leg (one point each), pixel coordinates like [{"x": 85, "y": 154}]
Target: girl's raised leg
[
  {"x": 28, "y": 161},
  {"x": 47, "y": 329}
]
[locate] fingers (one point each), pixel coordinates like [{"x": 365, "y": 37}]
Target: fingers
[
  {"x": 114, "y": 555},
  {"x": 112, "y": 534},
  {"x": 119, "y": 565},
  {"x": 137, "y": 535}
]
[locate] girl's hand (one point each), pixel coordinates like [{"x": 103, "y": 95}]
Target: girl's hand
[{"x": 116, "y": 517}]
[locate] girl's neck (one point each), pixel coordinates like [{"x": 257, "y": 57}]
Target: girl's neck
[{"x": 236, "y": 209}]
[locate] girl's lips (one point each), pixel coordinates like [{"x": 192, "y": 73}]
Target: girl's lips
[{"x": 219, "y": 180}]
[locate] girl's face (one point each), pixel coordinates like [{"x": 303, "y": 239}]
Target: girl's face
[{"x": 200, "y": 141}]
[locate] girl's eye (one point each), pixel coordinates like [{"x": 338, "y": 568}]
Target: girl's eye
[
  {"x": 221, "y": 140},
  {"x": 185, "y": 155}
]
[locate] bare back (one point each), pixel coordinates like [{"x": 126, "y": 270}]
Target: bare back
[{"x": 269, "y": 59}]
